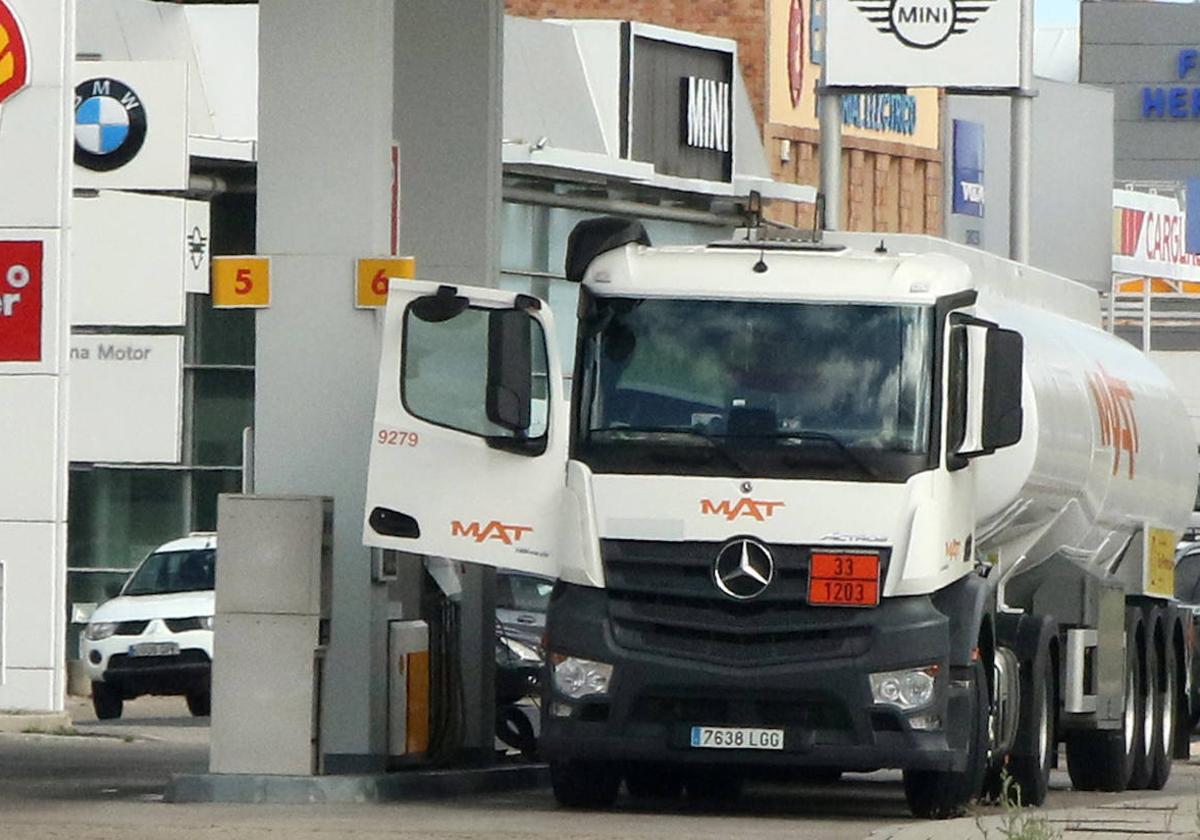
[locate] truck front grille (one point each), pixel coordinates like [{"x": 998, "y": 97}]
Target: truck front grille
[{"x": 662, "y": 598}]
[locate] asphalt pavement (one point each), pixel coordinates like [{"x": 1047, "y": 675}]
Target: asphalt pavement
[{"x": 107, "y": 782}]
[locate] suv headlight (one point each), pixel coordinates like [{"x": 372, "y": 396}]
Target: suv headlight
[
  {"x": 577, "y": 678},
  {"x": 99, "y": 630},
  {"x": 909, "y": 689}
]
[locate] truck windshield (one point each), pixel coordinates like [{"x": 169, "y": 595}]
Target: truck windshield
[
  {"x": 719, "y": 387},
  {"x": 165, "y": 572}
]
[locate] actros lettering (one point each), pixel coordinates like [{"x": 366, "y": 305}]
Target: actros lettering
[
  {"x": 494, "y": 530},
  {"x": 755, "y": 509}
]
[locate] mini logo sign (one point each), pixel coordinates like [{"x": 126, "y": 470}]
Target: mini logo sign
[
  {"x": 110, "y": 124},
  {"x": 759, "y": 511},
  {"x": 14, "y": 55},
  {"x": 494, "y": 530},
  {"x": 197, "y": 247},
  {"x": 744, "y": 569},
  {"x": 1117, "y": 422},
  {"x": 923, "y": 24},
  {"x": 706, "y": 113}
]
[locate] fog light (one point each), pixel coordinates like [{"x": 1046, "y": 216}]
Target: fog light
[
  {"x": 576, "y": 678},
  {"x": 925, "y": 723},
  {"x": 94, "y": 657},
  {"x": 909, "y": 689}
]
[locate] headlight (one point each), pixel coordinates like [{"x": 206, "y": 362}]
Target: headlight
[
  {"x": 98, "y": 630},
  {"x": 517, "y": 651},
  {"x": 909, "y": 689},
  {"x": 578, "y": 678},
  {"x": 206, "y": 622}
]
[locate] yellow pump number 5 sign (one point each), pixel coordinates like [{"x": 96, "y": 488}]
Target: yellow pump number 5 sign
[{"x": 241, "y": 282}]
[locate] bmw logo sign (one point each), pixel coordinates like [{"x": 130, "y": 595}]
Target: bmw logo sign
[{"x": 110, "y": 124}]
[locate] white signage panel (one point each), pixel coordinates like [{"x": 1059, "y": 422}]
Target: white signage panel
[
  {"x": 29, "y": 453},
  {"x": 131, "y": 125},
  {"x": 923, "y": 43},
  {"x": 126, "y": 398},
  {"x": 130, "y": 257},
  {"x": 197, "y": 250},
  {"x": 1149, "y": 237}
]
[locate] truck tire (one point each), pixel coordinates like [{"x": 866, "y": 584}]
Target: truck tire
[
  {"x": 106, "y": 701},
  {"x": 653, "y": 781},
  {"x": 1105, "y": 759},
  {"x": 1031, "y": 773},
  {"x": 941, "y": 794},
  {"x": 1164, "y": 690},
  {"x": 584, "y": 784},
  {"x": 1147, "y": 712}
]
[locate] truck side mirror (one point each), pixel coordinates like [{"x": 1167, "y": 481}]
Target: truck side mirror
[
  {"x": 985, "y": 411},
  {"x": 1002, "y": 412},
  {"x": 509, "y": 390}
]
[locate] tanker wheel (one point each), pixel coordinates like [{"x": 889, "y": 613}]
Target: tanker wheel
[
  {"x": 1031, "y": 773},
  {"x": 1148, "y": 709},
  {"x": 1105, "y": 759},
  {"x": 585, "y": 784},
  {"x": 1164, "y": 690},
  {"x": 653, "y": 781},
  {"x": 940, "y": 794}
]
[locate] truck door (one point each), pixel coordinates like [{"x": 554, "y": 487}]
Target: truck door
[{"x": 468, "y": 450}]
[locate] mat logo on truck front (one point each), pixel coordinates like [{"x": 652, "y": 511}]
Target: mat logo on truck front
[
  {"x": 494, "y": 530},
  {"x": 755, "y": 509},
  {"x": 1118, "y": 423}
]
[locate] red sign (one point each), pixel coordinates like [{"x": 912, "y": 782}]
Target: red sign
[
  {"x": 843, "y": 580},
  {"x": 20, "y": 301},
  {"x": 14, "y": 58}
]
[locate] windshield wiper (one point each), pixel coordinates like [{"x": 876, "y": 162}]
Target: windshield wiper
[
  {"x": 825, "y": 437},
  {"x": 711, "y": 442}
]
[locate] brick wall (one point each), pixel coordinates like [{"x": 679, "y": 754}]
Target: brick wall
[{"x": 886, "y": 186}]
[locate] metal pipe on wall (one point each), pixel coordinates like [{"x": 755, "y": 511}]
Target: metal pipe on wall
[{"x": 831, "y": 157}]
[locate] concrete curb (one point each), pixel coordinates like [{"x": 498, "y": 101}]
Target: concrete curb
[
  {"x": 389, "y": 787},
  {"x": 48, "y": 722}
]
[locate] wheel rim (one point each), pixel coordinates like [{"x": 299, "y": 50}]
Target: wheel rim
[
  {"x": 1044, "y": 727},
  {"x": 1166, "y": 725},
  {"x": 1148, "y": 722},
  {"x": 1130, "y": 710}
]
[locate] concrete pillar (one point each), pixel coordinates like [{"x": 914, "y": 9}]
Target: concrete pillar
[
  {"x": 337, "y": 88},
  {"x": 35, "y": 171}
]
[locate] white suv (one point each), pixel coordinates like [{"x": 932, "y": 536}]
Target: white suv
[{"x": 156, "y": 636}]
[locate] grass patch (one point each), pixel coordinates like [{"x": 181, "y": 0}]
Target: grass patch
[
  {"x": 1017, "y": 822},
  {"x": 54, "y": 730}
]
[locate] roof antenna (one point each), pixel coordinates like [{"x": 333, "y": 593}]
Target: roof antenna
[
  {"x": 754, "y": 211},
  {"x": 881, "y": 248}
]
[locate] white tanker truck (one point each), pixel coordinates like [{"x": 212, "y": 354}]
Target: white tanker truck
[{"x": 871, "y": 502}]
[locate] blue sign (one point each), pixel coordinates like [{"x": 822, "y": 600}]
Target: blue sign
[
  {"x": 892, "y": 112},
  {"x": 1191, "y": 212},
  {"x": 968, "y": 169}
]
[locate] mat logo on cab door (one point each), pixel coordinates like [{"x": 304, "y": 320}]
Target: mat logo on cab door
[{"x": 494, "y": 530}]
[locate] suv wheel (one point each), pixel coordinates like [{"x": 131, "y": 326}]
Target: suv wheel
[{"x": 199, "y": 702}]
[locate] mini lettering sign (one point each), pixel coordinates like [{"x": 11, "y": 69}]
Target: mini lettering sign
[{"x": 707, "y": 112}]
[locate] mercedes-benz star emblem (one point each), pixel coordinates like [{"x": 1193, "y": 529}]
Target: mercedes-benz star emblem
[{"x": 744, "y": 569}]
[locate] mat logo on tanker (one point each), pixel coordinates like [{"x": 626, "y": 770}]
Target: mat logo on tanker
[
  {"x": 1118, "y": 422},
  {"x": 14, "y": 55}
]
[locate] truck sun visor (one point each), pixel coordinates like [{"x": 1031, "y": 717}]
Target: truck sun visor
[{"x": 593, "y": 237}]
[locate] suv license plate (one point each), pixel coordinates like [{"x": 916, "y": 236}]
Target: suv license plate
[
  {"x": 154, "y": 649},
  {"x": 736, "y": 738}
]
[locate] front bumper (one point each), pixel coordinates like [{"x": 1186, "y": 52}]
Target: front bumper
[{"x": 822, "y": 701}]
